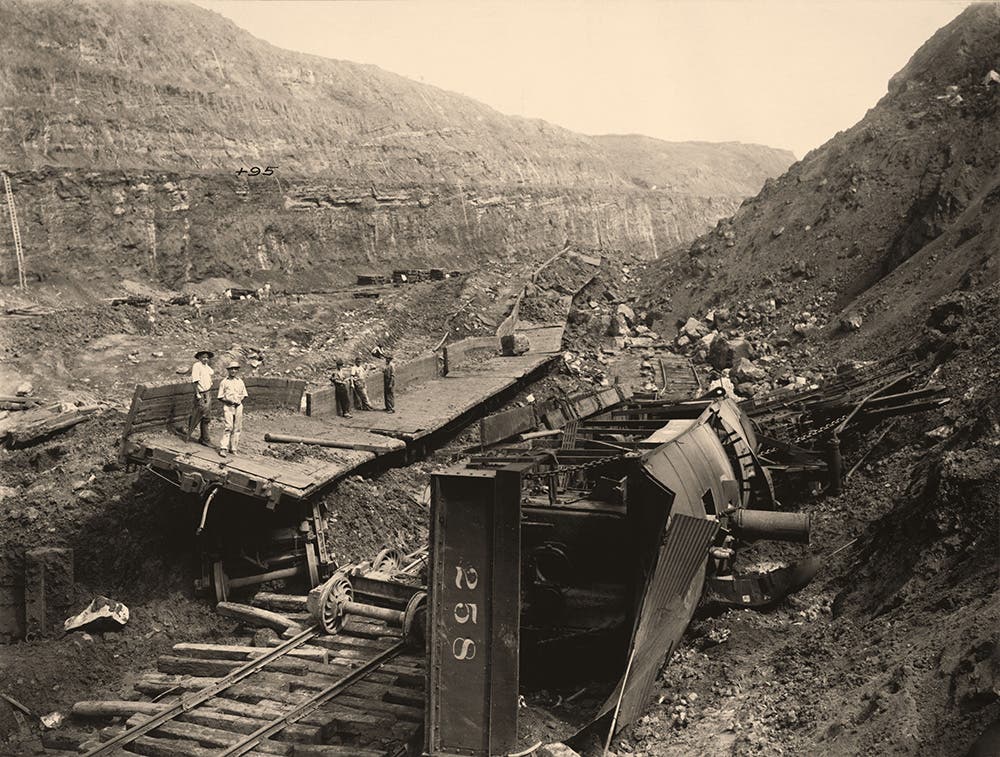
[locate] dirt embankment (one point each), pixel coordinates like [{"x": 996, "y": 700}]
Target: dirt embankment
[{"x": 881, "y": 241}]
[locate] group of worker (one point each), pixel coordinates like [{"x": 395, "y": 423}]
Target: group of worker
[
  {"x": 232, "y": 393},
  {"x": 349, "y": 386}
]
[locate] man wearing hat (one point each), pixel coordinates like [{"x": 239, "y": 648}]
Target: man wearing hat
[
  {"x": 232, "y": 392},
  {"x": 358, "y": 388},
  {"x": 389, "y": 384},
  {"x": 201, "y": 379},
  {"x": 341, "y": 379}
]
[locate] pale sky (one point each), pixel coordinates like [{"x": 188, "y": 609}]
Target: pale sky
[{"x": 775, "y": 72}]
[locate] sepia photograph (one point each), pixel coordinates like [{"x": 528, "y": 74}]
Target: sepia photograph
[{"x": 492, "y": 378}]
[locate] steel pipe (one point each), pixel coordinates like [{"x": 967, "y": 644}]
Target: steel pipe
[{"x": 751, "y": 525}]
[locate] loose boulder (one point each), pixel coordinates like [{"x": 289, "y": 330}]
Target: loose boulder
[
  {"x": 746, "y": 371},
  {"x": 627, "y": 313},
  {"x": 514, "y": 344},
  {"x": 694, "y": 329},
  {"x": 102, "y": 614},
  {"x": 726, "y": 353}
]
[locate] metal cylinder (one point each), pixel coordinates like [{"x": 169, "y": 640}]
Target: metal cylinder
[
  {"x": 751, "y": 525},
  {"x": 377, "y": 613},
  {"x": 274, "y": 575}
]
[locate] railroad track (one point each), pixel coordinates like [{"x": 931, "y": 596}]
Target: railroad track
[{"x": 359, "y": 692}]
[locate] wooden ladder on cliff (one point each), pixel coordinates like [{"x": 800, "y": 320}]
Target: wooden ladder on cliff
[{"x": 18, "y": 249}]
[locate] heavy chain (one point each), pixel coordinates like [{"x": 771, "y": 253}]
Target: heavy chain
[
  {"x": 821, "y": 429},
  {"x": 589, "y": 465}
]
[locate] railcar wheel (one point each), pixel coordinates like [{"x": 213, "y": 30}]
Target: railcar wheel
[
  {"x": 387, "y": 561},
  {"x": 336, "y": 593}
]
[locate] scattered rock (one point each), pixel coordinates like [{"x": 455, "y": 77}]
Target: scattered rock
[
  {"x": 24, "y": 389},
  {"x": 627, "y": 313},
  {"x": 777, "y": 232}
]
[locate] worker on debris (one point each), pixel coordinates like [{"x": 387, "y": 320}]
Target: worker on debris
[
  {"x": 389, "y": 384},
  {"x": 232, "y": 392},
  {"x": 201, "y": 379},
  {"x": 358, "y": 388},
  {"x": 340, "y": 379}
]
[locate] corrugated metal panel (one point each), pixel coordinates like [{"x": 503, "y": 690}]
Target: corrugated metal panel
[{"x": 671, "y": 596}]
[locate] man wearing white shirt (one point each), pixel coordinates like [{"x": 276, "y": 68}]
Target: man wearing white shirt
[
  {"x": 201, "y": 380},
  {"x": 358, "y": 387},
  {"x": 232, "y": 392}
]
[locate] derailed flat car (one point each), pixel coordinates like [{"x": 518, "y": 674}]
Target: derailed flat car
[{"x": 551, "y": 563}]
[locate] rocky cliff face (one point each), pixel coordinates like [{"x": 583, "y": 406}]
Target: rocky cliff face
[{"x": 125, "y": 124}]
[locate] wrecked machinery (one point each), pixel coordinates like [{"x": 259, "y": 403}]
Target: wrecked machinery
[{"x": 589, "y": 556}]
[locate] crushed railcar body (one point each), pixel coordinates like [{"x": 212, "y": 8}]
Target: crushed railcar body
[{"x": 546, "y": 562}]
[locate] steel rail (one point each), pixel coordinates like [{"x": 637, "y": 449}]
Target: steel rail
[
  {"x": 312, "y": 704},
  {"x": 190, "y": 702}
]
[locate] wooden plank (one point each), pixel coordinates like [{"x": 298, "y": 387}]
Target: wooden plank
[
  {"x": 271, "y": 601},
  {"x": 228, "y": 721},
  {"x": 216, "y": 668},
  {"x": 168, "y": 390},
  {"x": 343, "y": 640},
  {"x": 154, "y": 747},
  {"x": 255, "y": 616},
  {"x": 205, "y": 735},
  {"x": 133, "y": 408},
  {"x": 334, "y": 750},
  {"x": 239, "y": 652},
  {"x": 404, "y": 712},
  {"x": 115, "y": 708}
]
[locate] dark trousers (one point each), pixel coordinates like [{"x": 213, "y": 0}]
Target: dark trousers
[
  {"x": 343, "y": 399},
  {"x": 390, "y": 397},
  {"x": 200, "y": 415}
]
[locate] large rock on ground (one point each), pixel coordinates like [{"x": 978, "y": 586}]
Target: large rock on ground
[
  {"x": 627, "y": 313},
  {"x": 746, "y": 371},
  {"x": 102, "y": 614},
  {"x": 726, "y": 353},
  {"x": 694, "y": 329},
  {"x": 514, "y": 344}
]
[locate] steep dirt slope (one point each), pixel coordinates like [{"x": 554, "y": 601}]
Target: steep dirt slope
[
  {"x": 884, "y": 218},
  {"x": 125, "y": 123},
  {"x": 892, "y": 225}
]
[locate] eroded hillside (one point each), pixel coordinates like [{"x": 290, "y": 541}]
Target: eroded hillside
[{"x": 126, "y": 124}]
